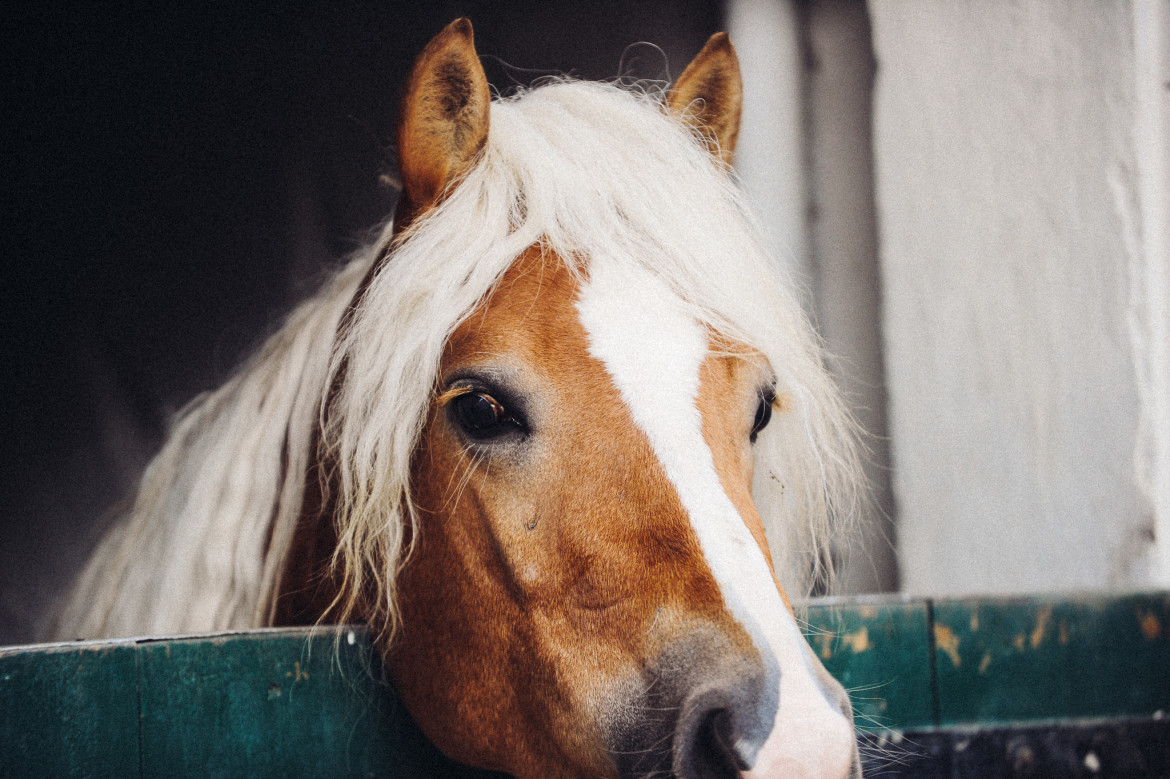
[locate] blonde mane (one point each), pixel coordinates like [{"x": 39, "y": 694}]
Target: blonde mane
[{"x": 581, "y": 169}]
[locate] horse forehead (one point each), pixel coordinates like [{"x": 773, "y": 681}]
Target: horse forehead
[
  {"x": 655, "y": 348},
  {"x": 645, "y": 391},
  {"x": 535, "y": 315},
  {"x": 528, "y": 316},
  {"x": 530, "y": 326}
]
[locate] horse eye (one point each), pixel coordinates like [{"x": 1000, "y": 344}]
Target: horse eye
[
  {"x": 763, "y": 413},
  {"x": 481, "y": 416}
]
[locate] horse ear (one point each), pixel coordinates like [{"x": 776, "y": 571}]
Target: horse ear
[
  {"x": 709, "y": 95},
  {"x": 444, "y": 117}
]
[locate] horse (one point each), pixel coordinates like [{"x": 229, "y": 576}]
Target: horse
[{"x": 560, "y": 435}]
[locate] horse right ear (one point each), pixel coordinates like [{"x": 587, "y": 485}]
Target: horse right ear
[{"x": 444, "y": 119}]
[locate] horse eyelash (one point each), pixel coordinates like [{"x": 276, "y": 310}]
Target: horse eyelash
[{"x": 447, "y": 396}]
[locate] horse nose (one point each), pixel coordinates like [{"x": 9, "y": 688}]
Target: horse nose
[
  {"x": 721, "y": 727},
  {"x": 703, "y": 708}
]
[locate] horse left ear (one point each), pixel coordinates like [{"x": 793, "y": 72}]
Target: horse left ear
[
  {"x": 444, "y": 118},
  {"x": 709, "y": 95}
]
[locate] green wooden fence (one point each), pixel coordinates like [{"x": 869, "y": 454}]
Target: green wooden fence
[{"x": 1071, "y": 686}]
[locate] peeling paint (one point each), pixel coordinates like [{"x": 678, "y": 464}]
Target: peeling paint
[
  {"x": 1150, "y": 624},
  {"x": 858, "y": 641},
  {"x": 946, "y": 641},
  {"x": 1043, "y": 617},
  {"x": 298, "y": 673}
]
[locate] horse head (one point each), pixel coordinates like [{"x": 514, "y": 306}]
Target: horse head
[{"x": 581, "y": 584}]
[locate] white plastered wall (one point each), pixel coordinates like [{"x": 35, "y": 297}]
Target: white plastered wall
[{"x": 1021, "y": 182}]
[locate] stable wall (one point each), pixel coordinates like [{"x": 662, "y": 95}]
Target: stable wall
[
  {"x": 1021, "y": 181},
  {"x": 975, "y": 195}
]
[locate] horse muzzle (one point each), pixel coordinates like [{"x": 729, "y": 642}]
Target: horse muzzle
[{"x": 706, "y": 708}]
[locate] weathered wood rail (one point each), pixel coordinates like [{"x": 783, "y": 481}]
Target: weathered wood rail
[{"x": 1038, "y": 686}]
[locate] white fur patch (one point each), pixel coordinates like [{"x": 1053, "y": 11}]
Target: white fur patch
[{"x": 653, "y": 347}]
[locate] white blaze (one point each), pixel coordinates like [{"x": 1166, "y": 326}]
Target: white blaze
[{"x": 653, "y": 349}]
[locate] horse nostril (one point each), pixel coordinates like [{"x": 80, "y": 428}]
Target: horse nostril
[
  {"x": 703, "y": 709},
  {"x": 717, "y": 726},
  {"x": 713, "y": 749}
]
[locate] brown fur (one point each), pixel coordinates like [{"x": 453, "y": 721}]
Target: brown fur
[
  {"x": 729, "y": 383},
  {"x": 542, "y": 577}
]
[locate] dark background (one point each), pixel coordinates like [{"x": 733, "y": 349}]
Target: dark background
[{"x": 174, "y": 179}]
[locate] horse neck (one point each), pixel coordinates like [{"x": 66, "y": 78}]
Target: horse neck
[
  {"x": 216, "y": 509},
  {"x": 308, "y": 586}
]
